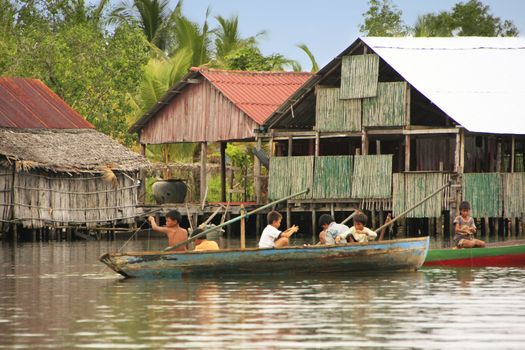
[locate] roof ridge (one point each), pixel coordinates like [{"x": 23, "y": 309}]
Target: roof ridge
[{"x": 246, "y": 72}]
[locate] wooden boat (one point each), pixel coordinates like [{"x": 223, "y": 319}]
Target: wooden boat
[
  {"x": 503, "y": 254},
  {"x": 401, "y": 254}
]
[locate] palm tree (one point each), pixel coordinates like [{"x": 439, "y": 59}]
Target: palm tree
[
  {"x": 228, "y": 39},
  {"x": 152, "y": 16},
  {"x": 313, "y": 61},
  {"x": 188, "y": 35}
]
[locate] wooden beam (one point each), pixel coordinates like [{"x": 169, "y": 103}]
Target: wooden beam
[
  {"x": 364, "y": 142},
  {"x": 204, "y": 156},
  {"x": 223, "y": 170},
  {"x": 290, "y": 146},
  {"x": 512, "y": 153},
  {"x": 378, "y": 146},
  {"x": 257, "y": 174},
  {"x": 457, "y": 153},
  {"x": 317, "y": 144},
  {"x": 407, "y": 152}
]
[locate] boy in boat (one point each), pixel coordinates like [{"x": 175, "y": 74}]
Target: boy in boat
[
  {"x": 358, "y": 232},
  {"x": 175, "y": 233},
  {"x": 465, "y": 229},
  {"x": 331, "y": 230},
  {"x": 202, "y": 243},
  {"x": 271, "y": 237}
]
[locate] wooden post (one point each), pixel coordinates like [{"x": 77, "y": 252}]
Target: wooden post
[
  {"x": 459, "y": 159},
  {"x": 223, "y": 170},
  {"x": 498, "y": 156},
  {"x": 512, "y": 153},
  {"x": 407, "y": 152},
  {"x": 257, "y": 174},
  {"x": 257, "y": 226},
  {"x": 243, "y": 228},
  {"x": 290, "y": 145},
  {"x": 288, "y": 215},
  {"x": 486, "y": 227},
  {"x": 332, "y": 211},
  {"x": 317, "y": 143},
  {"x": 143, "y": 149},
  {"x": 364, "y": 142},
  {"x": 378, "y": 147},
  {"x": 314, "y": 226},
  {"x": 203, "y": 170}
]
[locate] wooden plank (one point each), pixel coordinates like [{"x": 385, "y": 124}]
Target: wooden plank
[
  {"x": 332, "y": 177},
  {"x": 336, "y": 114},
  {"x": 372, "y": 176}
]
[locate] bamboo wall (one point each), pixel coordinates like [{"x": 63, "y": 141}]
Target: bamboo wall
[
  {"x": 514, "y": 194},
  {"x": 372, "y": 177},
  {"x": 336, "y": 114},
  {"x": 359, "y": 76},
  {"x": 411, "y": 188},
  {"x": 485, "y": 194},
  {"x": 330, "y": 177},
  {"x": 6, "y": 185},
  {"x": 42, "y": 199},
  {"x": 388, "y": 108},
  {"x": 333, "y": 177}
]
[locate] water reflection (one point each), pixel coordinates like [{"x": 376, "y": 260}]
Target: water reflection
[{"x": 57, "y": 295}]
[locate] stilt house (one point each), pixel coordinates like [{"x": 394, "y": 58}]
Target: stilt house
[
  {"x": 56, "y": 170},
  {"x": 211, "y": 105},
  {"x": 390, "y": 120}
]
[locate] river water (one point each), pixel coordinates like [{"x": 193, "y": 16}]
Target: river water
[{"x": 57, "y": 295}]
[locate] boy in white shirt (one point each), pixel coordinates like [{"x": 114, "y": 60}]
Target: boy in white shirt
[
  {"x": 359, "y": 232},
  {"x": 271, "y": 237}
]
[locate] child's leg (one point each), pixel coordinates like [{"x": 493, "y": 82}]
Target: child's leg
[
  {"x": 468, "y": 243},
  {"x": 281, "y": 242},
  {"x": 479, "y": 243}
]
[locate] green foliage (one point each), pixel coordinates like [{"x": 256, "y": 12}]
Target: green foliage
[
  {"x": 383, "y": 19},
  {"x": 241, "y": 157},
  {"x": 466, "y": 19},
  {"x": 306, "y": 50},
  {"x": 251, "y": 59}
]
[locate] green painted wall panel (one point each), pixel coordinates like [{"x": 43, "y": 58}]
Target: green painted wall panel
[{"x": 359, "y": 76}]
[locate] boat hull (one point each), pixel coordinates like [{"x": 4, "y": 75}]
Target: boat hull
[
  {"x": 508, "y": 255},
  {"x": 403, "y": 254}
]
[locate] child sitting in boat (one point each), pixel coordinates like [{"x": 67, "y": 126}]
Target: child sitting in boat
[
  {"x": 202, "y": 243},
  {"x": 271, "y": 237},
  {"x": 358, "y": 232},
  {"x": 175, "y": 233},
  {"x": 331, "y": 230},
  {"x": 465, "y": 229}
]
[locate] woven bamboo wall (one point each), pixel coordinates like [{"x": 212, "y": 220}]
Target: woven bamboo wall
[
  {"x": 43, "y": 199},
  {"x": 485, "y": 194},
  {"x": 335, "y": 114},
  {"x": 6, "y": 179},
  {"x": 514, "y": 194},
  {"x": 278, "y": 182},
  {"x": 333, "y": 177},
  {"x": 372, "y": 177},
  {"x": 359, "y": 76},
  {"x": 410, "y": 189},
  {"x": 290, "y": 175},
  {"x": 388, "y": 108}
]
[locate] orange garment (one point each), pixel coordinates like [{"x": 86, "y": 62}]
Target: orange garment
[{"x": 207, "y": 245}]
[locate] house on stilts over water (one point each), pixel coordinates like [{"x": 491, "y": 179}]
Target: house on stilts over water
[
  {"x": 217, "y": 106},
  {"x": 390, "y": 120},
  {"x": 58, "y": 175}
]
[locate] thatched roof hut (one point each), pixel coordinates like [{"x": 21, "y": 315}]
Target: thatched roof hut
[{"x": 55, "y": 169}]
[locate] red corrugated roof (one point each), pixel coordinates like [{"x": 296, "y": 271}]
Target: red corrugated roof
[
  {"x": 29, "y": 103},
  {"x": 258, "y": 94}
]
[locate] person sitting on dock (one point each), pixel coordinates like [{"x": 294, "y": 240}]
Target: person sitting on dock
[
  {"x": 202, "y": 243},
  {"x": 331, "y": 230},
  {"x": 358, "y": 232},
  {"x": 465, "y": 229},
  {"x": 175, "y": 233},
  {"x": 271, "y": 237}
]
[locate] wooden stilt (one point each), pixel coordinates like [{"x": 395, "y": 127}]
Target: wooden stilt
[
  {"x": 486, "y": 226},
  {"x": 223, "y": 171},
  {"x": 258, "y": 223},
  {"x": 288, "y": 216},
  {"x": 243, "y": 227},
  {"x": 314, "y": 226}
]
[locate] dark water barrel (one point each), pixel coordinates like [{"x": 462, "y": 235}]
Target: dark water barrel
[{"x": 169, "y": 191}]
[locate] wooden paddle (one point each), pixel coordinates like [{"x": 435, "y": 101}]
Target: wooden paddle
[{"x": 412, "y": 208}]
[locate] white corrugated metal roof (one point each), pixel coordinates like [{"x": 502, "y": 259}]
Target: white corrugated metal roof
[{"x": 477, "y": 81}]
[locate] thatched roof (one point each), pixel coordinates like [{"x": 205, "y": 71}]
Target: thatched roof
[{"x": 67, "y": 150}]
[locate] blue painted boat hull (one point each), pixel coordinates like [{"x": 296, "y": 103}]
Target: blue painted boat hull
[{"x": 402, "y": 254}]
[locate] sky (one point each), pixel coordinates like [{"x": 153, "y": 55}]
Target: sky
[{"x": 326, "y": 27}]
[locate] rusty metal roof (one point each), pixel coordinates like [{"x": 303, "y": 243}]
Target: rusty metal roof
[
  {"x": 29, "y": 103},
  {"x": 257, "y": 94}
]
